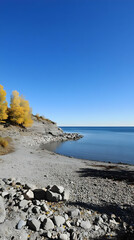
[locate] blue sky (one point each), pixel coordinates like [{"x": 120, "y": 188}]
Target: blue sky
[{"x": 73, "y": 60}]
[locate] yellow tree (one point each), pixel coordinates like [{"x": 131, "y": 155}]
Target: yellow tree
[
  {"x": 27, "y": 117},
  {"x": 20, "y": 111},
  {"x": 3, "y": 104},
  {"x": 16, "y": 111}
]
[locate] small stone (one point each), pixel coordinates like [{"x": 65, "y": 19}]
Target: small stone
[
  {"x": 49, "y": 235},
  {"x": 48, "y": 224},
  {"x": 36, "y": 210},
  {"x": 29, "y": 195},
  {"x": 68, "y": 224},
  {"x": 96, "y": 227},
  {"x": 34, "y": 224},
  {"x": 104, "y": 217},
  {"x": 42, "y": 217},
  {"x": 60, "y": 229},
  {"x": 53, "y": 197},
  {"x": 63, "y": 236},
  {"x": 36, "y": 202},
  {"x": 39, "y": 194},
  {"x": 112, "y": 221},
  {"x": 66, "y": 216},
  {"x": 44, "y": 207},
  {"x": 99, "y": 220},
  {"x": 5, "y": 194},
  {"x": 20, "y": 224},
  {"x": 113, "y": 216},
  {"x": 59, "y": 220},
  {"x": 21, "y": 197},
  {"x": 57, "y": 189},
  {"x": 74, "y": 213},
  {"x": 86, "y": 224},
  {"x": 66, "y": 195},
  {"x": 23, "y": 203}
]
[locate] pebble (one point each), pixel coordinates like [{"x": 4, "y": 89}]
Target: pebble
[
  {"x": 59, "y": 220},
  {"x": 21, "y": 224},
  {"x": 34, "y": 224},
  {"x": 48, "y": 224}
]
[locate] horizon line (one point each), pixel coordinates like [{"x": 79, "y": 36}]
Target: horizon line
[{"x": 96, "y": 125}]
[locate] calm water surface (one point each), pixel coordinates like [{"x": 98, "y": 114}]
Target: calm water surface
[{"x": 110, "y": 144}]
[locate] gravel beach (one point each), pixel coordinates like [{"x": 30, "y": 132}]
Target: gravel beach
[{"x": 100, "y": 187}]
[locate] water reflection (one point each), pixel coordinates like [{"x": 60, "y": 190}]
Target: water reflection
[{"x": 51, "y": 146}]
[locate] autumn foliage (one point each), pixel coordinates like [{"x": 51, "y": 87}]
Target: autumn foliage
[
  {"x": 19, "y": 111},
  {"x": 3, "y": 104}
]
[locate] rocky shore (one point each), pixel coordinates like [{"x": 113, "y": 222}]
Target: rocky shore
[
  {"x": 30, "y": 213},
  {"x": 47, "y": 196}
]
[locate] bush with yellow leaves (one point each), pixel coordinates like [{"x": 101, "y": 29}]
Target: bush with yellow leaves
[
  {"x": 3, "y": 142},
  {"x": 3, "y": 104}
]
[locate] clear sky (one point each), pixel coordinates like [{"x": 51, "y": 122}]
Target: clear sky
[{"x": 72, "y": 59}]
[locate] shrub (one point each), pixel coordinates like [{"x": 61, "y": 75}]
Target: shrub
[
  {"x": 42, "y": 118},
  {"x": 3, "y": 104},
  {"x": 3, "y": 142}
]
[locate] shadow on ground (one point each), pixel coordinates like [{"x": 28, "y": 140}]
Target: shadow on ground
[
  {"x": 113, "y": 172},
  {"x": 122, "y": 215}
]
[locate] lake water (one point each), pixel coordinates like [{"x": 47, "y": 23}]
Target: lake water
[{"x": 109, "y": 144}]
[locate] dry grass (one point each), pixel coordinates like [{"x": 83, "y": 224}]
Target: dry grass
[
  {"x": 3, "y": 142},
  {"x": 6, "y": 145},
  {"x": 42, "y": 118}
]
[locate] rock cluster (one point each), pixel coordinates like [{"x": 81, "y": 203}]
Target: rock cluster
[
  {"x": 30, "y": 213},
  {"x": 49, "y": 137}
]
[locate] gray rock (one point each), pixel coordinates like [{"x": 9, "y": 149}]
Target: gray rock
[
  {"x": 36, "y": 209},
  {"x": 48, "y": 224},
  {"x": 86, "y": 224},
  {"x": 39, "y": 194},
  {"x": 57, "y": 189},
  {"x": 60, "y": 229},
  {"x": 96, "y": 227},
  {"x": 49, "y": 235},
  {"x": 59, "y": 220},
  {"x": 99, "y": 220},
  {"x": 63, "y": 236},
  {"x": 68, "y": 224},
  {"x": 73, "y": 236},
  {"x": 23, "y": 203},
  {"x": 104, "y": 217},
  {"x": 44, "y": 207},
  {"x": 66, "y": 195},
  {"x": 53, "y": 197},
  {"x": 5, "y": 194},
  {"x": 36, "y": 202},
  {"x": 66, "y": 216},
  {"x": 21, "y": 224},
  {"x": 21, "y": 197},
  {"x": 29, "y": 195},
  {"x": 74, "y": 213},
  {"x": 2, "y": 211},
  {"x": 34, "y": 224},
  {"x": 42, "y": 217}
]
